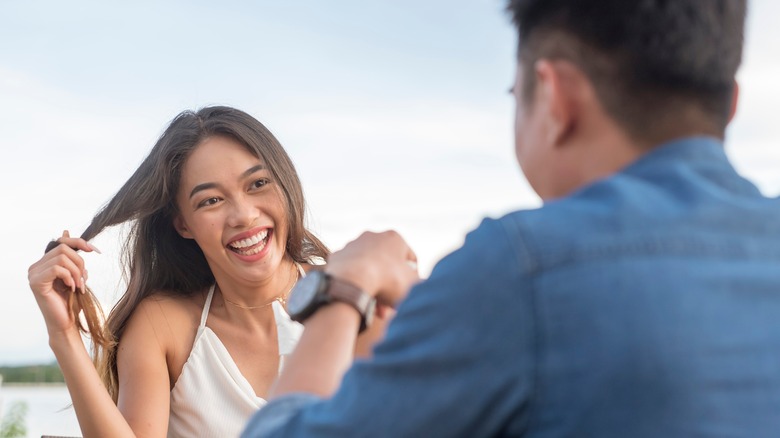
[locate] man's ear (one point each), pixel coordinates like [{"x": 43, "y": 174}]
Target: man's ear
[
  {"x": 734, "y": 101},
  {"x": 181, "y": 227},
  {"x": 555, "y": 97}
]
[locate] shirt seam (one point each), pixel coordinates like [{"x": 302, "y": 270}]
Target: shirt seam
[
  {"x": 522, "y": 248},
  {"x": 650, "y": 246}
]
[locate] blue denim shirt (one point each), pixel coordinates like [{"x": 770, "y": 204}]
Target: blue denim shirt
[{"x": 644, "y": 305}]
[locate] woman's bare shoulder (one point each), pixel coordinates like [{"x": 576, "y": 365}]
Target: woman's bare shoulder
[
  {"x": 165, "y": 323},
  {"x": 170, "y": 304},
  {"x": 166, "y": 315}
]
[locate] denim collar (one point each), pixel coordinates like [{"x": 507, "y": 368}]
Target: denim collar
[
  {"x": 702, "y": 150},
  {"x": 679, "y": 159}
]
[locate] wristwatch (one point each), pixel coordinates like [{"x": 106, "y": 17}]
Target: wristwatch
[{"x": 318, "y": 288}]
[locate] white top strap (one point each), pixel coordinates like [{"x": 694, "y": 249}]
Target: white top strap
[
  {"x": 205, "y": 314},
  {"x": 300, "y": 269}
]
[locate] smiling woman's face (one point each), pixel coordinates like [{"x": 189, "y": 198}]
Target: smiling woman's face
[{"x": 231, "y": 206}]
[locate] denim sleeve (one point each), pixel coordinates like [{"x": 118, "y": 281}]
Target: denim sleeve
[
  {"x": 278, "y": 412},
  {"x": 457, "y": 360}
]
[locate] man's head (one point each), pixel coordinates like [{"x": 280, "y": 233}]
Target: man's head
[{"x": 659, "y": 69}]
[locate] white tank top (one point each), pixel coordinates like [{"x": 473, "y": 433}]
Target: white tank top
[{"x": 212, "y": 398}]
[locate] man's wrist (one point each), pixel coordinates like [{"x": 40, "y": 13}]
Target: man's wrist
[
  {"x": 322, "y": 289},
  {"x": 341, "y": 316},
  {"x": 362, "y": 278}
]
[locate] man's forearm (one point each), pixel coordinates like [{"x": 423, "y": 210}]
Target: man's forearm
[{"x": 324, "y": 352}]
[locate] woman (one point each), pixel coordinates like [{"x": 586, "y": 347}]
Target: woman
[{"x": 217, "y": 242}]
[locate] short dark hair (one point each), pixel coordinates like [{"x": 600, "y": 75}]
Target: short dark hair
[{"x": 647, "y": 59}]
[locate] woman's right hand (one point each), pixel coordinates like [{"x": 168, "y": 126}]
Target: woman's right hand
[{"x": 59, "y": 273}]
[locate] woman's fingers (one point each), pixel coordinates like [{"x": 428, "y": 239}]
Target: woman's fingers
[
  {"x": 63, "y": 263},
  {"x": 60, "y": 272},
  {"x": 383, "y": 311},
  {"x": 74, "y": 262},
  {"x": 64, "y": 274},
  {"x": 45, "y": 278},
  {"x": 76, "y": 243},
  {"x": 62, "y": 256},
  {"x": 72, "y": 242}
]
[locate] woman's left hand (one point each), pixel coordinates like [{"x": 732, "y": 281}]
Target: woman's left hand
[{"x": 375, "y": 333}]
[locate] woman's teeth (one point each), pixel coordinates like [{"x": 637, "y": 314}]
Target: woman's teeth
[
  {"x": 251, "y": 245},
  {"x": 252, "y": 251}
]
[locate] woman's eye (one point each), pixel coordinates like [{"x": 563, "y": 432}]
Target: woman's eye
[
  {"x": 259, "y": 183},
  {"x": 207, "y": 202}
]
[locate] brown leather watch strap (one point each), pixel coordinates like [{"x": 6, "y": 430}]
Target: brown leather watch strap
[{"x": 340, "y": 290}]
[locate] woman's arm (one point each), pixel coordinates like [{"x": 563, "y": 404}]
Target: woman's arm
[
  {"x": 96, "y": 412},
  {"x": 58, "y": 274},
  {"x": 364, "y": 345},
  {"x": 144, "y": 382},
  {"x": 143, "y": 385}
]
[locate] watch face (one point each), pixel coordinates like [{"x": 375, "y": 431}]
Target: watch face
[{"x": 303, "y": 294}]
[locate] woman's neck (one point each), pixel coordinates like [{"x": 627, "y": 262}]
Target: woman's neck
[{"x": 243, "y": 299}]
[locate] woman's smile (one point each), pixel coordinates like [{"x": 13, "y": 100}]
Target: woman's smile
[{"x": 252, "y": 245}]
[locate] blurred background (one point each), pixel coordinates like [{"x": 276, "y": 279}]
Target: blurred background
[{"x": 396, "y": 114}]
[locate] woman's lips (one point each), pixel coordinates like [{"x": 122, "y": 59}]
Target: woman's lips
[{"x": 251, "y": 247}]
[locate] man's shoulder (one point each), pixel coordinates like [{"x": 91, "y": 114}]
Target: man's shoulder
[
  {"x": 564, "y": 220},
  {"x": 631, "y": 211},
  {"x": 529, "y": 236}
]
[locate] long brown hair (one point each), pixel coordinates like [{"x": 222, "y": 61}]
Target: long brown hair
[{"x": 155, "y": 257}]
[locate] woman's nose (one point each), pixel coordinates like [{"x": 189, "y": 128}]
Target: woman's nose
[{"x": 242, "y": 213}]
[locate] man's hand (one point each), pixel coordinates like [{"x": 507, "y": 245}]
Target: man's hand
[{"x": 381, "y": 264}]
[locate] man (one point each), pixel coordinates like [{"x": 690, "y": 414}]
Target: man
[{"x": 642, "y": 300}]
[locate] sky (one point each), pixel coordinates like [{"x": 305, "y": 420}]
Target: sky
[{"x": 395, "y": 113}]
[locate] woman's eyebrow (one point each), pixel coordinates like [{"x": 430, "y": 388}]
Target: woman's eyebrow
[
  {"x": 252, "y": 170},
  {"x": 201, "y": 187},
  {"x": 211, "y": 185}
]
